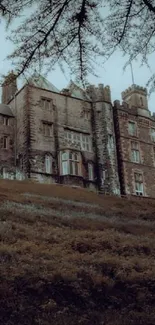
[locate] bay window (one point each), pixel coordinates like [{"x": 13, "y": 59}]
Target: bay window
[
  {"x": 81, "y": 139},
  {"x": 70, "y": 163}
]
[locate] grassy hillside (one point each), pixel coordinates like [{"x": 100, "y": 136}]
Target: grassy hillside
[{"x": 69, "y": 256}]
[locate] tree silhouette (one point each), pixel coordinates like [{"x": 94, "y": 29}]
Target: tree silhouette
[{"x": 79, "y": 32}]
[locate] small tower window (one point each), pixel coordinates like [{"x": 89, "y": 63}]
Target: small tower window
[
  {"x": 5, "y": 120},
  {"x": 141, "y": 101},
  {"x": 5, "y": 142}
]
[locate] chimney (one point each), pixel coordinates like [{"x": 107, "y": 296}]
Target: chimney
[{"x": 9, "y": 87}]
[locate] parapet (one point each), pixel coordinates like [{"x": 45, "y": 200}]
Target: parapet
[
  {"x": 99, "y": 93},
  {"x": 134, "y": 89}
]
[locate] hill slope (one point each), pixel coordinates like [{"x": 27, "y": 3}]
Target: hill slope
[{"x": 69, "y": 256}]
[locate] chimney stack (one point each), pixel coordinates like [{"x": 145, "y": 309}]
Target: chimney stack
[{"x": 9, "y": 87}]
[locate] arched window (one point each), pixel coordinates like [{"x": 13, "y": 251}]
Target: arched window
[
  {"x": 48, "y": 164},
  {"x": 70, "y": 163},
  {"x": 90, "y": 171}
]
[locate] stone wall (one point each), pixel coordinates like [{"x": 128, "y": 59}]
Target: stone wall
[
  {"x": 103, "y": 128},
  {"x": 7, "y": 155},
  {"x": 20, "y": 108},
  {"x": 127, "y": 168},
  {"x": 65, "y": 113}
]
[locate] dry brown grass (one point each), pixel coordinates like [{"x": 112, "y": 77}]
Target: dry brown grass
[{"x": 61, "y": 266}]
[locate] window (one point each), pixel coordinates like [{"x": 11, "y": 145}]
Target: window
[
  {"x": 141, "y": 101},
  {"x": 85, "y": 143},
  {"x": 90, "y": 171},
  {"x": 83, "y": 140},
  {"x": 154, "y": 154},
  {"x": 46, "y": 103},
  {"x": 86, "y": 115},
  {"x": 110, "y": 141},
  {"x": 5, "y": 173},
  {"x": 48, "y": 164},
  {"x": 47, "y": 129},
  {"x": 5, "y": 142},
  {"x": 132, "y": 128},
  {"x": 73, "y": 163},
  {"x": 139, "y": 188},
  {"x": 70, "y": 163},
  {"x": 65, "y": 166},
  {"x": 103, "y": 177},
  {"x": 5, "y": 120},
  {"x": 153, "y": 135},
  {"x": 135, "y": 154}
]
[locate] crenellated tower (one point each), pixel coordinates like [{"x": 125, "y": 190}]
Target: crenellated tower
[
  {"x": 136, "y": 98},
  {"x": 104, "y": 139}
]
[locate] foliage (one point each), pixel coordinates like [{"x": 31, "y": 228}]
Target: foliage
[{"x": 79, "y": 32}]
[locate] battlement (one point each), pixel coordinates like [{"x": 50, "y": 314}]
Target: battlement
[
  {"x": 100, "y": 93},
  {"x": 134, "y": 89}
]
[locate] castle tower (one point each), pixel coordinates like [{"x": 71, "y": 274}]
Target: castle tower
[
  {"x": 104, "y": 139},
  {"x": 135, "y": 96},
  {"x": 9, "y": 87}
]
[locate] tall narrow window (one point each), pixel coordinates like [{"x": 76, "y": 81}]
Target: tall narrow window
[
  {"x": 47, "y": 129},
  {"x": 90, "y": 171},
  {"x": 154, "y": 154},
  {"x": 86, "y": 115},
  {"x": 5, "y": 174},
  {"x": 5, "y": 120},
  {"x": 74, "y": 163},
  {"x": 110, "y": 141},
  {"x": 153, "y": 135},
  {"x": 135, "y": 154},
  {"x": 103, "y": 177},
  {"x": 139, "y": 187},
  {"x": 48, "y": 164},
  {"x": 85, "y": 142},
  {"x": 64, "y": 162},
  {"x": 132, "y": 128},
  {"x": 141, "y": 101},
  {"x": 5, "y": 142}
]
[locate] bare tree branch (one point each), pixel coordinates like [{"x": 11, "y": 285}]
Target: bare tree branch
[{"x": 79, "y": 32}]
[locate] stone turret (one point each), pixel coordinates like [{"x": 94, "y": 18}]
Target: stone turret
[
  {"x": 136, "y": 96},
  {"x": 99, "y": 93},
  {"x": 104, "y": 137},
  {"x": 9, "y": 87}
]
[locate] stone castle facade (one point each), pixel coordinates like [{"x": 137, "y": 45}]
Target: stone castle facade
[{"x": 77, "y": 137}]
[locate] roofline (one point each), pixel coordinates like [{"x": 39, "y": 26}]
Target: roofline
[
  {"x": 50, "y": 91},
  {"x": 135, "y": 114},
  {"x": 54, "y": 92},
  {"x": 65, "y": 95}
]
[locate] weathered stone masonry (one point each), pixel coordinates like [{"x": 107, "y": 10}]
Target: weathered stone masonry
[{"x": 78, "y": 137}]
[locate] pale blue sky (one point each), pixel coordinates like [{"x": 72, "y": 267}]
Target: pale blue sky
[{"x": 111, "y": 74}]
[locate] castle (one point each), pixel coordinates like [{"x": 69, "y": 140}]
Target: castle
[{"x": 77, "y": 137}]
